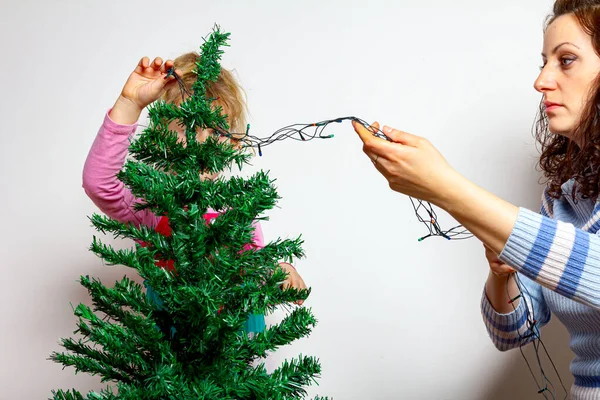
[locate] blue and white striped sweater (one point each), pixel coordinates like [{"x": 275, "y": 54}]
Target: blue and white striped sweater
[{"x": 557, "y": 254}]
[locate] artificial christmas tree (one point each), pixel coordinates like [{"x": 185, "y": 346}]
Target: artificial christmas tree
[{"x": 187, "y": 340}]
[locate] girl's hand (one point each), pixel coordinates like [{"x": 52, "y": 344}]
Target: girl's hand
[
  {"x": 144, "y": 86},
  {"x": 146, "y": 83},
  {"x": 293, "y": 280},
  {"x": 411, "y": 164}
]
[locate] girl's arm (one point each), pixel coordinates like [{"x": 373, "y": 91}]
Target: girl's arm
[
  {"x": 107, "y": 156},
  {"x": 104, "y": 161},
  {"x": 294, "y": 279}
]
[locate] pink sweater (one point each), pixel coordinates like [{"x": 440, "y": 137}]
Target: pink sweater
[{"x": 104, "y": 161}]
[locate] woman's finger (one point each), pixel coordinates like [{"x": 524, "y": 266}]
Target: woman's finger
[
  {"x": 401, "y": 137},
  {"x": 374, "y": 147},
  {"x": 374, "y": 127},
  {"x": 364, "y": 133}
]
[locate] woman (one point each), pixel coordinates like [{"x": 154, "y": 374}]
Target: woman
[{"x": 556, "y": 254}]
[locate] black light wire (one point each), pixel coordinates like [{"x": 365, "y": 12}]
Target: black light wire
[{"x": 545, "y": 388}]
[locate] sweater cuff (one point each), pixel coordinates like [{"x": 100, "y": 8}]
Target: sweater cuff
[
  {"x": 504, "y": 329},
  {"x": 551, "y": 252},
  {"x": 536, "y": 243},
  {"x": 522, "y": 239},
  {"x": 116, "y": 128},
  {"x": 494, "y": 316}
]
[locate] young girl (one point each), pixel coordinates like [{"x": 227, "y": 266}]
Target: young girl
[{"x": 147, "y": 83}]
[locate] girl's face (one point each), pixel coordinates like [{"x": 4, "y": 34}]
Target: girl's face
[
  {"x": 201, "y": 136},
  {"x": 570, "y": 68}
]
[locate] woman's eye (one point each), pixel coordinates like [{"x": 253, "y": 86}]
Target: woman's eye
[{"x": 566, "y": 61}]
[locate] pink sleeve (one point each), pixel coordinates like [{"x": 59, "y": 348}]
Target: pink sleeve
[
  {"x": 258, "y": 239},
  {"x": 104, "y": 161}
]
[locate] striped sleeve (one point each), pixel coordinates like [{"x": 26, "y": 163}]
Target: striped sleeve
[
  {"x": 511, "y": 330},
  {"x": 556, "y": 255}
]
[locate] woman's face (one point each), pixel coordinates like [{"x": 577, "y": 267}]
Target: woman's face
[{"x": 570, "y": 67}]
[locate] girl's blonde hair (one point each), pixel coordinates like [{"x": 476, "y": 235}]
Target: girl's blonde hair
[{"x": 226, "y": 90}]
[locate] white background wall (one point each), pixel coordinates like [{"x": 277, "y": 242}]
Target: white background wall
[{"x": 398, "y": 319}]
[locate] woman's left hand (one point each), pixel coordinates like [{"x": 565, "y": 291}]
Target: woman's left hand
[
  {"x": 293, "y": 280},
  {"x": 411, "y": 164}
]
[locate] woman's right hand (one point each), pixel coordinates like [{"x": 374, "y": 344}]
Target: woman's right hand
[
  {"x": 144, "y": 86},
  {"x": 497, "y": 267}
]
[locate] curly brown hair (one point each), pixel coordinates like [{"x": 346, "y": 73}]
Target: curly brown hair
[{"x": 561, "y": 158}]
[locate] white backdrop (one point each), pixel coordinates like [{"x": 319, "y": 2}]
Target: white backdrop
[{"x": 398, "y": 319}]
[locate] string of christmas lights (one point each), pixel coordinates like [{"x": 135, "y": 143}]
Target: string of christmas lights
[
  {"x": 545, "y": 386},
  {"x": 311, "y": 131}
]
